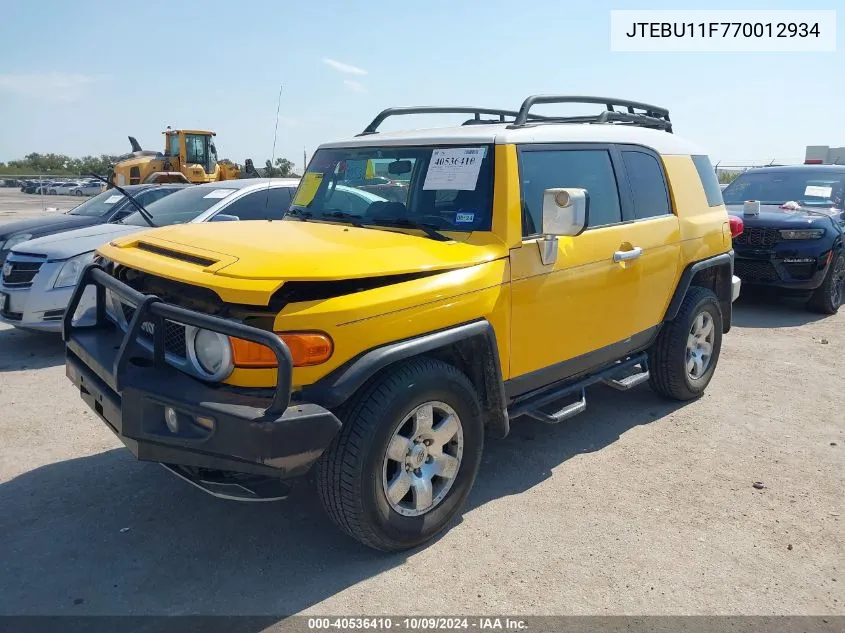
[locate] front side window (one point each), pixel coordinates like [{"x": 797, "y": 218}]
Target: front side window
[
  {"x": 444, "y": 188},
  {"x": 174, "y": 145},
  {"x": 590, "y": 169},
  {"x": 261, "y": 204}
]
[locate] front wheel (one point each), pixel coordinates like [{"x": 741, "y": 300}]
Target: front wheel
[
  {"x": 682, "y": 360},
  {"x": 406, "y": 457},
  {"x": 828, "y": 297}
]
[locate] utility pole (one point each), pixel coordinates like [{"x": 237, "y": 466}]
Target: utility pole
[{"x": 304, "y": 160}]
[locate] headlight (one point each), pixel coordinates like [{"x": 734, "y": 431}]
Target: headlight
[
  {"x": 15, "y": 239},
  {"x": 802, "y": 234},
  {"x": 72, "y": 269},
  {"x": 210, "y": 353}
]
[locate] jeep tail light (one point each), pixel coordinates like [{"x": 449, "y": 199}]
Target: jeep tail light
[
  {"x": 737, "y": 225},
  {"x": 306, "y": 348}
]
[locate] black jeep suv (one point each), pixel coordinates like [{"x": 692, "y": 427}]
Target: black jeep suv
[{"x": 795, "y": 242}]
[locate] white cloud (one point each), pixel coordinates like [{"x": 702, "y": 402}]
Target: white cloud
[
  {"x": 345, "y": 68},
  {"x": 354, "y": 86},
  {"x": 50, "y": 86}
]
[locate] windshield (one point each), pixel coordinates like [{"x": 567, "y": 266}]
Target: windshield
[
  {"x": 807, "y": 187},
  {"x": 181, "y": 206},
  {"x": 444, "y": 188},
  {"x": 99, "y": 205}
]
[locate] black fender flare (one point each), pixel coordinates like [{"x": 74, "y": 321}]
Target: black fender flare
[
  {"x": 338, "y": 386},
  {"x": 724, "y": 294}
]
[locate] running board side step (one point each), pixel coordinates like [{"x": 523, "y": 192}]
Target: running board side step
[
  {"x": 569, "y": 411},
  {"x": 533, "y": 404},
  {"x": 628, "y": 382}
]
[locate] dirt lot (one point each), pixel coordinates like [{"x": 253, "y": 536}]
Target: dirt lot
[
  {"x": 15, "y": 205},
  {"x": 639, "y": 506}
]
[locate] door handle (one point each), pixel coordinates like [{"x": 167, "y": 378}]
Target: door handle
[{"x": 624, "y": 256}]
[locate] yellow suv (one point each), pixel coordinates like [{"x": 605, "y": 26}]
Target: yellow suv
[{"x": 426, "y": 288}]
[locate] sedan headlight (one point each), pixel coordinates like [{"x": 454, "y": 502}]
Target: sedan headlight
[
  {"x": 13, "y": 240},
  {"x": 210, "y": 353},
  {"x": 802, "y": 234},
  {"x": 72, "y": 269}
]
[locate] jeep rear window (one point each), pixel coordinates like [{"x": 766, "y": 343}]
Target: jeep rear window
[
  {"x": 709, "y": 181},
  {"x": 448, "y": 188}
]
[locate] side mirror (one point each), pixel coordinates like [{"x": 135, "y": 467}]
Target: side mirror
[
  {"x": 565, "y": 212},
  {"x": 222, "y": 217}
]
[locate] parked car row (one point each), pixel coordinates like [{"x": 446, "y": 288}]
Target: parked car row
[{"x": 87, "y": 187}]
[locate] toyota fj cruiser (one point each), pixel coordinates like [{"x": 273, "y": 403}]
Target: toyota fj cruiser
[{"x": 378, "y": 341}]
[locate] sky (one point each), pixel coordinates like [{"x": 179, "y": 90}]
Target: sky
[{"x": 78, "y": 77}]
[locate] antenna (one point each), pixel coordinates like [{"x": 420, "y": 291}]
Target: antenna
[{"x": 273, "y": 155}]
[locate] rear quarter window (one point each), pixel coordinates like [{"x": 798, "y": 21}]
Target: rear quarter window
[{"x": 709, "y": 181}]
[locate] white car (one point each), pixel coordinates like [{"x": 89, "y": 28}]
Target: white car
[
  {"x": 63, "y": 188},
  {"x": 39, "y": 275},
  {"x": 91, "y": 188}
]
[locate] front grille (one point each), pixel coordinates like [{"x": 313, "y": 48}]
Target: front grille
[
  {"x": 748, "y": 270},
  {"x": 174, "y": 333},
  {"x": 20, "y": 274},
  {"x": 756, "y": 236}
]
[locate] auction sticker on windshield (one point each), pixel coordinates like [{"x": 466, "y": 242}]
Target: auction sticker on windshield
[
  {"x": 308, "y": 188},
  {"x": 817, "y": 191},
  {"x": 454, "y": 169},
  {"x": 112, "y": 199}
]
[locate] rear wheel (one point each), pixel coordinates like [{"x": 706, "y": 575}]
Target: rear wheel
[
  {"x": 828, "y": 297},
  {"x": 406, "y": 457},
  {"x": 683, "y": 359}
]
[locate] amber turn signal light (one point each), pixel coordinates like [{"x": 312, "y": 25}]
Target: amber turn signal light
[{"x": 306, "y": 348}]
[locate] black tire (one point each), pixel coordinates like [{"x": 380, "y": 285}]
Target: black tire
[
  {"x": 667, "y": 358},
  {"x": 350, "y": 472},
  {"x": 827, "y": 298}
]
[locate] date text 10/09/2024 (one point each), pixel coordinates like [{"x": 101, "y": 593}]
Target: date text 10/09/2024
[
  {"x": 418, "y": 624},
  {"x": 723, "y": 29}
]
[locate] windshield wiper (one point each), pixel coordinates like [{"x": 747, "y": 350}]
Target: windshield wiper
[
  {"x": 300, "y": 213},
  {"x": 144, "y": 213},
  {"x": 351, "y": 218},
  {"x": 428, "y": 229}
]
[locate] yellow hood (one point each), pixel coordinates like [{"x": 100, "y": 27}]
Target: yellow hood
[{"x": 303, "y": 251}]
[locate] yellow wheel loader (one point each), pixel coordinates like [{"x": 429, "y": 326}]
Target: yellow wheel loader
[{"x": 189, "y": 156}]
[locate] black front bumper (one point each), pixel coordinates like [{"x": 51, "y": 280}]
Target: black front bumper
[
  {"x": 218, "y": 428},
  {"x": 785, "y": 268}
]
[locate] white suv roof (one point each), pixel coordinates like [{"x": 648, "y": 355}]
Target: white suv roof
[{"x": 637, "y": 123}]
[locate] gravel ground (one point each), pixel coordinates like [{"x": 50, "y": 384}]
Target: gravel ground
[{"x": 638, "y": 506}]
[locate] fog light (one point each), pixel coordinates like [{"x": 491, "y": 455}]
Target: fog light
[
  {"x": 204, "y": 422},
  {"x": 172, "y": 419}
]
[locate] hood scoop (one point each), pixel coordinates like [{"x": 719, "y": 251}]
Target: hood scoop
[{"x": 185, "y": 257}]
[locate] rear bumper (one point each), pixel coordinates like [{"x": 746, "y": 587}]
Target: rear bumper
[{"x": 218, "y": 429}]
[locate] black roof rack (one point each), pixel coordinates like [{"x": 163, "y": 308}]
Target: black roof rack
[
  {"x": 632, "y": 113},
  {"x": 635, "y": 113},
  {"x": 372, "y": 128}
]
